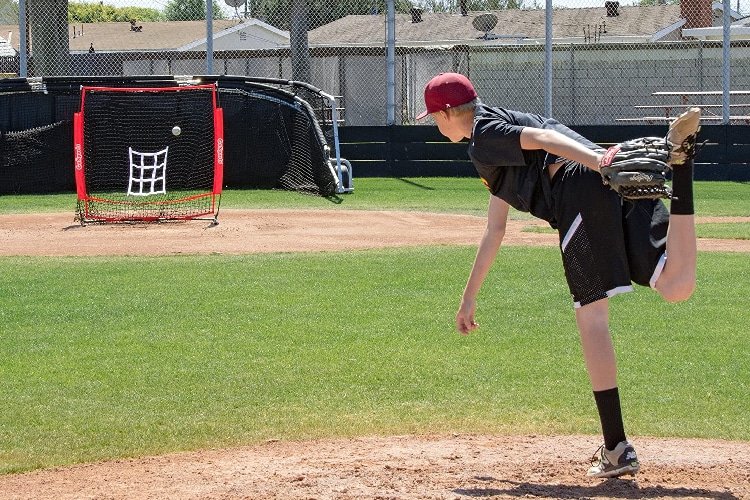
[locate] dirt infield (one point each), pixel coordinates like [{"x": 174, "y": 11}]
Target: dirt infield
[
  {"x": 396, "y": 467},
  {"x": 403, "y": 467},
  {"x": 271, "y": 231}
]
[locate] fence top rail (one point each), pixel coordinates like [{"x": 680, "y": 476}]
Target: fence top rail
[
  {"x": 700, "y": 92},
  {"x": 668, "y": 119},
  {"x": 684, "y": 105}
]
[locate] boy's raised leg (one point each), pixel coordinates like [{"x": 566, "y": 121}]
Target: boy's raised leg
[{"x": 677, "y": 280}]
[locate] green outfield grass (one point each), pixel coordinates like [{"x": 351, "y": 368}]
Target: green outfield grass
[
  {"x": 436, "y": 194},
  {"x": 724, "y": 230},
  {"x": 110, "y": 357}
]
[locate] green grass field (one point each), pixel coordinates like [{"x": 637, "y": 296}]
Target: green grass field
[
  {"x": 436, "y": 194},
  {"x": 117, "y": 357}
]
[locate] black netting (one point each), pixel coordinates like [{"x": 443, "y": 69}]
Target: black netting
[
  {"x": 148, "y": 154},
  {"x": 276, "y": 136},
  {"x": 36, "y": 159},
  {"x": 275, "y": 139}
]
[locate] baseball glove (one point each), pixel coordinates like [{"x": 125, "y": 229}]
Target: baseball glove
[{"x": 637, "y": 169}]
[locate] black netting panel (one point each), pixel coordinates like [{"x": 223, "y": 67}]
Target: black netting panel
[
  {"x": 36, "y": 160},
  {"x": 275, "y": 139}
]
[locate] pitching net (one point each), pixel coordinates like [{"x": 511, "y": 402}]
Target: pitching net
[{"x": 148, "y": 154}]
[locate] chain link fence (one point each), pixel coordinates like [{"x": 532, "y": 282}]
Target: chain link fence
[{"x": 585, "y": 62}]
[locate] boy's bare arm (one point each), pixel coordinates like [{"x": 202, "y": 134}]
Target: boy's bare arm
[
  {"x": 497, "y": 216},
  {"x": 558, "y": 144}
]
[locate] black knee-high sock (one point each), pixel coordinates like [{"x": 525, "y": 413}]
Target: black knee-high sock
[
  {"x": 682, "y": 189},
  {"x": 610, "y": 415}
]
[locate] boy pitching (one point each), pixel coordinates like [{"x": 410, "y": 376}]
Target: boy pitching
[{"x": 537, "y": 165}]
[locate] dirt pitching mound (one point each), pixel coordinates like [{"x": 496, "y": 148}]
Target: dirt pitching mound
[
  {"x": 252, "y": 231},
  {"x": 403, "y": 467}
]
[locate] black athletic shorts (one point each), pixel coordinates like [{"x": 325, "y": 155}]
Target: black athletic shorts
[{"x": 606, "y": 243}]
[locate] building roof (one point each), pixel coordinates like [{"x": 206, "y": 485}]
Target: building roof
[
  {"x": 648, "y": 23},
  {"x": 168, "y": 35},
  {"x": 718, "y": 13},
  {"x": 512, "y": 25},
  {"x": 265, "y": 33},
  {"x": 152, "y": 35},
  {"x": 739, "y": 30}
]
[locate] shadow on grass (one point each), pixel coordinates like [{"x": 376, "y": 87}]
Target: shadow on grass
[
  {"x": 335, "y": 199},
  {"x": 415, "y": 184}
]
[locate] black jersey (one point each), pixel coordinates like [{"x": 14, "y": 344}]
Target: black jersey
[{"x": 515, "y": 175}]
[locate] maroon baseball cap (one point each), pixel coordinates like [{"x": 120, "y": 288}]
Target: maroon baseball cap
[{"x": 447, "y": 90}]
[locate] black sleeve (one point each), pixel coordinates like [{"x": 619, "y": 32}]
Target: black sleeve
[{"x": 497, "y": 142}]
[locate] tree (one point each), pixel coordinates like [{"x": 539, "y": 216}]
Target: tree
[
  {"x": 82, "y": 12},
  {"x": 319, "y": 12},
  {"x": 190, "y": 10},
  {"x": 8, "y": 12},
  {"x": 139, "y": 14}
]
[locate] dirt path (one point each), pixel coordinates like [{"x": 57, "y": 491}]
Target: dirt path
[
  {"x": 403, "y": 467},
  {"x": 270, "y": 231},
  {"x": 397, "y": 467}
]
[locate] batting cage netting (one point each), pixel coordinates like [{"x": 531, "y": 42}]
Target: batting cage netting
[{"x": 276, "y": 136}]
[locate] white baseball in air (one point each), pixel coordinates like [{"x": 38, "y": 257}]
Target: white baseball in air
[{"x": 176, "y": 130}]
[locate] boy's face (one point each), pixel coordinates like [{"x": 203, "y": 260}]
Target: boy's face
[{"x": 448, "y": 125}]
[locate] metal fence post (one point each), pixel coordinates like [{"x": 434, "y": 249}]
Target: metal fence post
[
  {"x": 23, "y": 69},
  {"x": 725, "y": 65},
  {"x": 209, "y": 37},
  {"x": 390, "y": 91},
  {"x": 548, "y": 58}
]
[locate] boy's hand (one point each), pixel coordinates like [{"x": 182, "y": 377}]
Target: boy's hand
[{"x": 465, "y": 323}]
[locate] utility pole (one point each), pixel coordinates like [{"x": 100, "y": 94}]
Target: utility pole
[{"x": 49, "y": 36}]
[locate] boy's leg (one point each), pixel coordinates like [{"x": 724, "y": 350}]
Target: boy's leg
[
  {"x": 677, "y": 280},
  {"x": 596, "y": 342},
  {"x": 617, "y": 457},
  {"x": 601, "y": 365},
  {"x": 595, "y": 260}
]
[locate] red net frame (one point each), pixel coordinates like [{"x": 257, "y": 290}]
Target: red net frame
[{"x": 98, "y": 208}]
